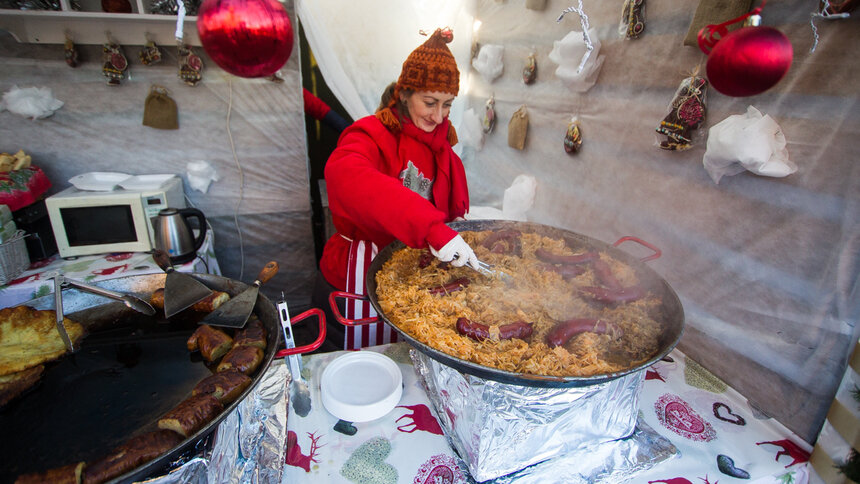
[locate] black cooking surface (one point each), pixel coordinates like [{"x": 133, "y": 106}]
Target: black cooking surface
[{"x": 116, "y": 386}]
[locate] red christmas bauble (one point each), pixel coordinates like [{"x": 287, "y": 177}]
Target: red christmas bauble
[
  {"x": 749, "y": 61},
  {"x": 248, "y": 38}
]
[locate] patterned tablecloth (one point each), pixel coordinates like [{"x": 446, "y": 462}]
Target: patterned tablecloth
[
  {"x": 720, "y": 437},
  {"x": 36, "y": 281}
]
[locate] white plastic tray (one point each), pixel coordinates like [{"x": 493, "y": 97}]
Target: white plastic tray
[
  {"x": 145, "y": 182},
  {"x": 98, "y": 181},
  {"x": 361, "y": 386}
]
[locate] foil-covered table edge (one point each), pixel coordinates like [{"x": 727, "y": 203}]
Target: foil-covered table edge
[{"x": 249, "y": 444}]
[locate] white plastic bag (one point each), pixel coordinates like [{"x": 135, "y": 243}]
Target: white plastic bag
[
  {"x": 749, "y": 141},
  {"x": 471, "y": 133},
  {"x": 200, "y": 174},
  {"x": 489, "y": 61},
  {"x": 31, "y": 102},
  {"x": 517, "y": 200},
  {"x": 568, "y": 54}
]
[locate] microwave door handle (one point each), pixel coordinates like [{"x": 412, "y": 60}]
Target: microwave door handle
[{"x": 133, "y": 302}]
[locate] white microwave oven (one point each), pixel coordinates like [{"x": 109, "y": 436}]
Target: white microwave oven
[{"x": 95, "y": 222}]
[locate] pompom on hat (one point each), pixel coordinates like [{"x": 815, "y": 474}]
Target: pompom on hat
[{"x": 430, "y": 67}]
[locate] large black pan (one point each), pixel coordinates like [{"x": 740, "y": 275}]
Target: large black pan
[
  {"x": 129, "y": 371},
  {"x": 672, "y": 313}
]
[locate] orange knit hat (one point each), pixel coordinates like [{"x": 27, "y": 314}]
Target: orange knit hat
[{"x": 430, "y": 67}]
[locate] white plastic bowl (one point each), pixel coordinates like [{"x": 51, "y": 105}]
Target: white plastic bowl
[{"x": 361, "y": 386}]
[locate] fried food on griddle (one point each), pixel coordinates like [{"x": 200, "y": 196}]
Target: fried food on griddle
[
  {"x": 254, "y": 334},
  {"x": 226, "y": 386},
  {"x": 14, "y": 384},
  {"x": 211, "y": 342},
  {"x": 69, "y": 474},
  {"x": 29, "y": 337},
  {"x": 191, "y": 414},
  {"x": 131, "y": 454},
  {"x": 205, "y": 305},
  {"x": 242, "y": 358}
]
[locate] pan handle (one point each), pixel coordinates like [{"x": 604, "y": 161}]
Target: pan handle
[
  {"x": 332, "y": 301},
  {"x": 317, "y": 342},
  {"x": 657, "y": 252}
]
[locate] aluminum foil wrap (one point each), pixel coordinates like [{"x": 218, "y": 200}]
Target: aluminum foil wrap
[
  {"x": 249, "y": 443},
  {"x": 498, "y": 428}
]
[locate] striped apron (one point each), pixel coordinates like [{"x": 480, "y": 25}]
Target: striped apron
[{"x": 361, "y": 252}]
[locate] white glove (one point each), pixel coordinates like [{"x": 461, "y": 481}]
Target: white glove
[{"x": 457, "y": 252}]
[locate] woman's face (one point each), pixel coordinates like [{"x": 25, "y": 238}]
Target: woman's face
[{"x": 428, "y": 109}]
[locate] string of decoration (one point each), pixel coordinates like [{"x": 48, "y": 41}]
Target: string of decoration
[{"x": 583, "y": 19}]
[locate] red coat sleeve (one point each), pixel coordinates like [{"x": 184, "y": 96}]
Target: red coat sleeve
[
  {"x": 314, "y": 106},
  {"x": 367, "y": 198}
]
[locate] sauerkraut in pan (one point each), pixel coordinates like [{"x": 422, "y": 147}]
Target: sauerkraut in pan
[{"x": 564, "y": 311}]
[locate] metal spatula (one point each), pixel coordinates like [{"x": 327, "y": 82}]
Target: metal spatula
[
  {"x": 235, "y": 312},
  {"x": 181, "y": 291},
  {"x": 300, "y": 395}
]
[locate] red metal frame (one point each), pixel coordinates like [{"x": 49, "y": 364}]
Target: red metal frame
[
  {"x": 317, "y": 342},
  {"x": 657, "y": 252},
  {"x": 332, "y": 301}
]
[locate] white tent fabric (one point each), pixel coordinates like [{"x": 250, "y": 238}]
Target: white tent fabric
[{"x": 360, "y": 46}]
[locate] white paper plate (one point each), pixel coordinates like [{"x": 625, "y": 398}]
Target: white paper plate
[
  {"x": 145, "y": 182},
  {"x": 99, "y": 181},
  {"x": 361, "y": 386}
]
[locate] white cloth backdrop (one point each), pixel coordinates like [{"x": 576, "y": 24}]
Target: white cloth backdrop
[{"x": 360, "y": 46}]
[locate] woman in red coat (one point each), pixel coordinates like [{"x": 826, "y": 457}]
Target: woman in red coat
[{"x": 394, "y": 176}]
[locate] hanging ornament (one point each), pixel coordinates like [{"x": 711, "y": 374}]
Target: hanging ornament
[
  {"x": 150, "y": 53},
  {"x": 747, "y": 61},
  {"x": 116, "y": 6},
  {"x": 535, "y": 4},
  {"x": 518, "y": 128},
  {"x": 70, "y": 52},
  {"x": 530, "y": 69},
  {"x": 114, "y": 63},
  {"x": 830, "y": 10},
  {"x": 686, "y": 113},
  {"x": 836, "y": 7},
  {"x": 632, "y": 19},
  {"x": 248, "y": 38},
  {"x": 573, "y": 136},
  {"x": 190, "y": 65},
  {"x": 489, "y": 119}
]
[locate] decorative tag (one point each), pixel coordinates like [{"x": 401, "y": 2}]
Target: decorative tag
[
  {"x": 632, "y": 19},
  {"x": 114, "y": 63},
  {"x": 150, "y": 54},
  {"x": 573, "y": 136},
  {"x": 489, "y": 120},
  {"x": 159, "y": 110},
  {"x": 686, "y": 114},
  {"x": 70, "y": 53},
  {"x": 190, "y": 65},
  {"x": 530, "y": 70},
  {"x": 518, "y": 128}
]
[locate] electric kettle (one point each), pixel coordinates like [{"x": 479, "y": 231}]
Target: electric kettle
[{"x": 174, "y": 236}]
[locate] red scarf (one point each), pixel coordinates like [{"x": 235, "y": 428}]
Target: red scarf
[{"x": 450, "y": 180}]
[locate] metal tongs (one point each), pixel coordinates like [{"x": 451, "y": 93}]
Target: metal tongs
[
  {"x": 60, "y": 283},
  {"x": 489, "y": 270}
]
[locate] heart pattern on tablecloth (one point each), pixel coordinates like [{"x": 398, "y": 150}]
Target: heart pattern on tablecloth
[
  {"x": 724, "y": 413},
  {"x": 367, "y": 464}
]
